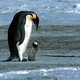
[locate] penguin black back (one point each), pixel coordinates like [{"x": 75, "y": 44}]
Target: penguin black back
[{"x": 16, "y": 33}]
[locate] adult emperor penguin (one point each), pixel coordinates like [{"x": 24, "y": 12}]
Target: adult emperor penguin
[{"x": 19, "y": 33}]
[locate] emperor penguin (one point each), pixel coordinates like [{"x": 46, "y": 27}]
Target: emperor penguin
[
  {"x": 19, "y": 33},
  {"x": 33, "y": 52}
]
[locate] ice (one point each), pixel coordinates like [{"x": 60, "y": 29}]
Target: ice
[{"x": 62, "y": 72}]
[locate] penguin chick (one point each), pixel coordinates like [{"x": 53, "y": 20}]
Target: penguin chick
[{"x": 33, "y": 52}]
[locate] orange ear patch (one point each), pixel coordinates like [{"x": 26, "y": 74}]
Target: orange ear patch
[
  {"x": 34, "y": 16},
  {"x": 31, "y": 17}
]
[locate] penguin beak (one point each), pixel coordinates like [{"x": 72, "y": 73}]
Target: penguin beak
[
  {"x": 36, "y": 22},
  {"x": 36, "y": 27}
]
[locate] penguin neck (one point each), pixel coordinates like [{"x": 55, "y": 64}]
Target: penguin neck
[{"x": 28, "y": 27}]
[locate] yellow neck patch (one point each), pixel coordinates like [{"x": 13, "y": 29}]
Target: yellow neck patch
[{"x": 31, "y": 17}]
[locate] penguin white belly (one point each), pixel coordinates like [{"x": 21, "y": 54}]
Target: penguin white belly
[{"x": 22, "y": 48}]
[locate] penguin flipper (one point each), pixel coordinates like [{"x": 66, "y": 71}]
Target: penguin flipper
[
  {"x": 22, "y": 35},
  {"x": 21, "y": 31}
]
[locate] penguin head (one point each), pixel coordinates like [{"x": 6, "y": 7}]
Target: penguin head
[
  {"x": 34, "y": 17},
  {"x": 35, "y": 44},
  {"x": 36, "y": 20}
]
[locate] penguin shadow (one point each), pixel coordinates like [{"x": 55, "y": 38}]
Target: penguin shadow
[
  {"x": 60, "y": 56},
  {"x": 31, "y": 55}
]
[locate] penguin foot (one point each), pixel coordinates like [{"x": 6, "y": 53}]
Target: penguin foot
[
  {"x": 24, "y": 60},
  {"x": 9, "y": 59}
]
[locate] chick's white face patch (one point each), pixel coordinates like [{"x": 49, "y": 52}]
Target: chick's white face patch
[{"x": 36, "y": 43}]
